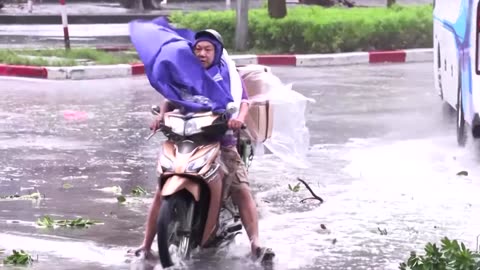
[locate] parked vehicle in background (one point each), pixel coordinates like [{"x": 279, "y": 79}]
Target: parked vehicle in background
[
  {"x": 456, "y": 40},
  {"x": 148, "y": 4}
]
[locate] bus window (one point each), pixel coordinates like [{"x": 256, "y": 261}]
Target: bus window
[{"x": 477, "y": 37}]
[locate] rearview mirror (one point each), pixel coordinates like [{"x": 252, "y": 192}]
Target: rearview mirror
[
  {"x": 231, "y": 108},
  {"x": 155, "y": 110}
]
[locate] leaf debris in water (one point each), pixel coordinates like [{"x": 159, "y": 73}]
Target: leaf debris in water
[
  {"x": 47, "y": 221},
  {"x": 114, "y": 189},
  {"x": 67, "y": 185},
  {"x": 382, "y": 231},
  {"x": 33, "y": 196},
  {"x": 18, "y": 257},
  {"x": 295, "y": 188},
  {"x": 121, "y": 199},
  {"x": 138, "y": 191}
]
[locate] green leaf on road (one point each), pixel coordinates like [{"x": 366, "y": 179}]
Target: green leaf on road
[
  {"x": 139, "y": 191},
  {"x": 67, "y": 185},
  {"x": 18, "y": 258},
  {"x": 33, "y": 196},
  {"x": 115, "y": 189},
  {"x": 121, "y": 199},
  {"x": 382, "y": 231},
  {"x": 48, "y": 222},
  {"x": 296, "y": 188}
]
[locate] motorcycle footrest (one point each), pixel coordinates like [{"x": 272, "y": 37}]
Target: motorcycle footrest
[
  {"x": 234, "y": 228},
  {"x": 184, "y": 232}
]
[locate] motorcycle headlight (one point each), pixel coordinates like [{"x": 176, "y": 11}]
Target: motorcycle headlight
[
  {"x": 177, "y": 125},
  {"x": 197, "y": 164},
  {"x": 191, "y": 127}
]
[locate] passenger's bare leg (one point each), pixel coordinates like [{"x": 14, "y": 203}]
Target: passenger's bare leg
[
  {"x": 242, "y": 197},
  {"x": 151, "y": 225}
]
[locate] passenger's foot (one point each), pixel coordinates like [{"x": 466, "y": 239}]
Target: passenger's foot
[
  {"x": 264, "y": 255},
  {"x": 141, "y": 252}
]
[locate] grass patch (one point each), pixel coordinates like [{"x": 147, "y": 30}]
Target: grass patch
[{"x": 61, "y": 57}]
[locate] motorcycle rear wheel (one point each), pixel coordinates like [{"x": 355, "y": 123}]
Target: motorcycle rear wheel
[{"x": 174, "y": 226}]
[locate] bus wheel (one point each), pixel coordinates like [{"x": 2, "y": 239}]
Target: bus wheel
[{"x": 461, "y": 131}]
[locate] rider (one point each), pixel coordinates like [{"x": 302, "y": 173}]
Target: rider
[{"x": 208, "y": 47}]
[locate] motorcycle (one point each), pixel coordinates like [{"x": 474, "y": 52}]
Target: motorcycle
[{"x": 196, "y": 208}]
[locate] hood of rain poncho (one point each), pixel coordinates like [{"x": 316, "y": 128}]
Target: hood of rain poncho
[{"x": 173, "y": 69}]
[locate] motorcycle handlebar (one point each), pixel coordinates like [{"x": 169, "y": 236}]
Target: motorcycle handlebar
[{"x": 162, "y": 125}]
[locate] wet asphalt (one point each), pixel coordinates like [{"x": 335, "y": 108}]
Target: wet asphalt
[{"x": 383, "y": 153}]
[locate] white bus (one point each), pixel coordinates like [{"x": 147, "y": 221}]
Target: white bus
[{"x": 456, "y": 61}]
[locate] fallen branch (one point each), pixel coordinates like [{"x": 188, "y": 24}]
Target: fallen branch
[{"x": 315, "y": 196}]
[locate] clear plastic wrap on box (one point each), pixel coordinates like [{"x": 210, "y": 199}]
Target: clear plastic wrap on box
[{"x": 276, "y": 118}]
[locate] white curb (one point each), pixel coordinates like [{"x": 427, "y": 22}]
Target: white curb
[
  {"x": 334, "y": 59},
  {"x": 99, "y": 72}
]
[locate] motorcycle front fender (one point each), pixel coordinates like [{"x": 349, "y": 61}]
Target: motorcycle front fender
[{"x": 177, "y": 183}]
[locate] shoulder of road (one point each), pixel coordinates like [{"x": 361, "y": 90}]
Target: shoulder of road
[{"x": 87, "y": 72}]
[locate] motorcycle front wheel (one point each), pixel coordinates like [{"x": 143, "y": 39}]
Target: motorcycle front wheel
[{"x": 174, "y": 226}]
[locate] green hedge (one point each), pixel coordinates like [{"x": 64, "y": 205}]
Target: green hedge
[{"x": 314, "y": 29}]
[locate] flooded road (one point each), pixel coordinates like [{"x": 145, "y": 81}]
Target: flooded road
[{"x": 384, "y": 158}]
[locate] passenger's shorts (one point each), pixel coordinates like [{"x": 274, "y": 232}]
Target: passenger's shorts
[{"x": 237, "y": 172}]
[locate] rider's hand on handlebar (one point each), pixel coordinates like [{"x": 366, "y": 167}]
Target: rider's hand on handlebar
[
  {"x": 235, "y": 124},
  {"x": 156, "y": 123}
]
